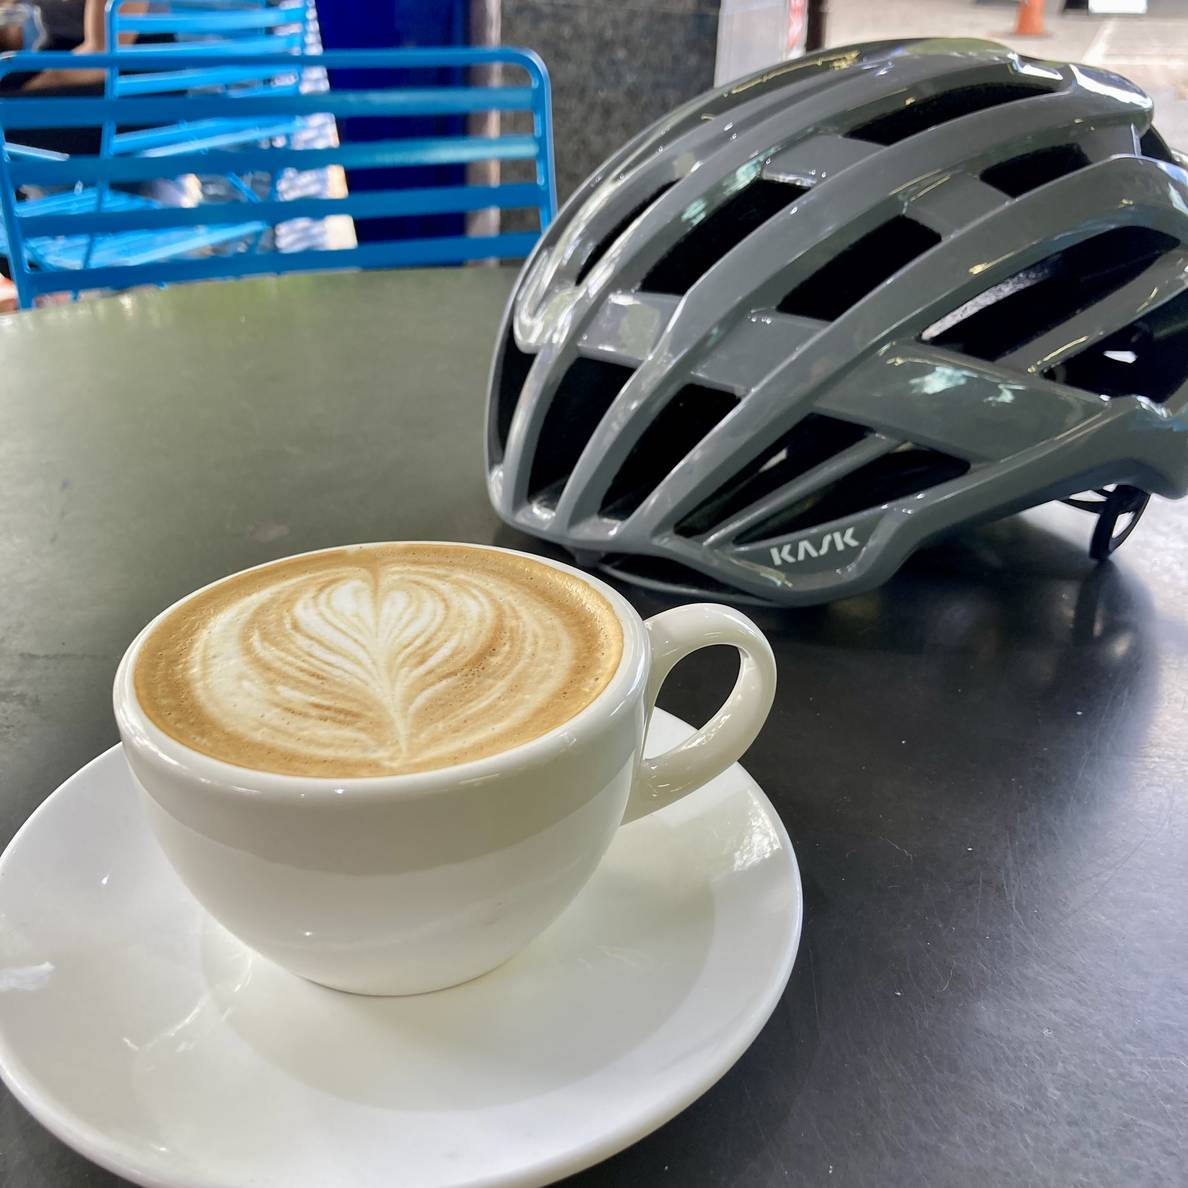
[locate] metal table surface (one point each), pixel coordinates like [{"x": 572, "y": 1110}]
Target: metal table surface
[{"x": 981, "y": 765}]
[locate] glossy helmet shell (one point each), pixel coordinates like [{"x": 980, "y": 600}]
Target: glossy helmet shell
[{"x": 818, "y": 317}]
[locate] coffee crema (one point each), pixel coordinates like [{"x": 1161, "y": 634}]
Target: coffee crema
[{"x": 377, "y": 660}]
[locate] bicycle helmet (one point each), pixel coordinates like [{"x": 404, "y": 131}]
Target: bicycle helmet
[{"x": 820, "y": 316}]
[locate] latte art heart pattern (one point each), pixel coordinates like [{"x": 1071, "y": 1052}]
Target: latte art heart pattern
[
  {"x": 393, "y": 659},
  {"x": 403, "y": 666}
]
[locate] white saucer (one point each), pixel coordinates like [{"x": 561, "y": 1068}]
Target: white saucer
[{"x": 146, "y": 1037}]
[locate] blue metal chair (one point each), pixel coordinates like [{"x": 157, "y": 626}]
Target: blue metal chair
[
  {"x": 108, "y": 264},
  {"x": 205, "y": 28},
  {"x": 211, "y": 26},
  {"x": 208, "y": 27}
]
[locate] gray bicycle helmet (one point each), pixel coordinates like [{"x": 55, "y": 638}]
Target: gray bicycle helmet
[{"x": 818, "y": 317}]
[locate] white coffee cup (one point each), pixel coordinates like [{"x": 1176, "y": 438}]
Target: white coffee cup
[{"x": 400, "y": 884}]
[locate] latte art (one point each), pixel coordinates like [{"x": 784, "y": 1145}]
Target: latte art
[{"x": 378, "y": 660}]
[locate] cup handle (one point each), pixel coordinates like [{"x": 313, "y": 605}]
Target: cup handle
[{"x": 674, "y": 634}]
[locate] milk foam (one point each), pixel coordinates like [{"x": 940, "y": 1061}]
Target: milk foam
[{"x": 369, "y": 661}]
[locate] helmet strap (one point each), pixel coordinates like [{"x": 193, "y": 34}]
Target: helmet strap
[{"x": 1121, "y": 500}]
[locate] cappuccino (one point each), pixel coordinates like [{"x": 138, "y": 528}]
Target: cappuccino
[{"x": 377, "y": 660}]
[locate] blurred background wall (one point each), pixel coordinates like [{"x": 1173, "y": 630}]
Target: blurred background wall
[
  {"x": 619, "y": 65},
  {"x": 616, "y": 66}
]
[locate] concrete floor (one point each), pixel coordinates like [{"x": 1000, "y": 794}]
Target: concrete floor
[{"x": 1151, "y": 50}]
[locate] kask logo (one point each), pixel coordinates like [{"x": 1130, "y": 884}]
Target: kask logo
[{"x": 831, "y": 542}]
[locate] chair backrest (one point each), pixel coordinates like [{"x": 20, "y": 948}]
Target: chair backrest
[
  {"x": 214, "y": 28},
  {"x": 209, "y": 27},
  {"x": 529, "y": 94}
]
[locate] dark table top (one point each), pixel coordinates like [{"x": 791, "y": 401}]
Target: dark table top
[{"x": 981, "y": 765}]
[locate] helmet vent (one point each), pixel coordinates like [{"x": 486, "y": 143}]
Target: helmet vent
[
  {"x": 581, "y": 400},
  {"x": 514, "y": 365},
  {"x": 676, "y": 430},
  {"x": 1032, "y": 170},
  {"x": 935, "y": 110},
  {"x": 1147, "y": 358},
  {"x": 1151, "y": 144},
  {"x": 858, "y": 270},
  {"x": 606, "y": 242},
  {"x": 706, "y": 242},
  {"x": 828, "y": 67},
  {"x": 906, "y": 471},
  {"x": 1042, "y": 296},
  {"x": 810, "y": 442}
]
